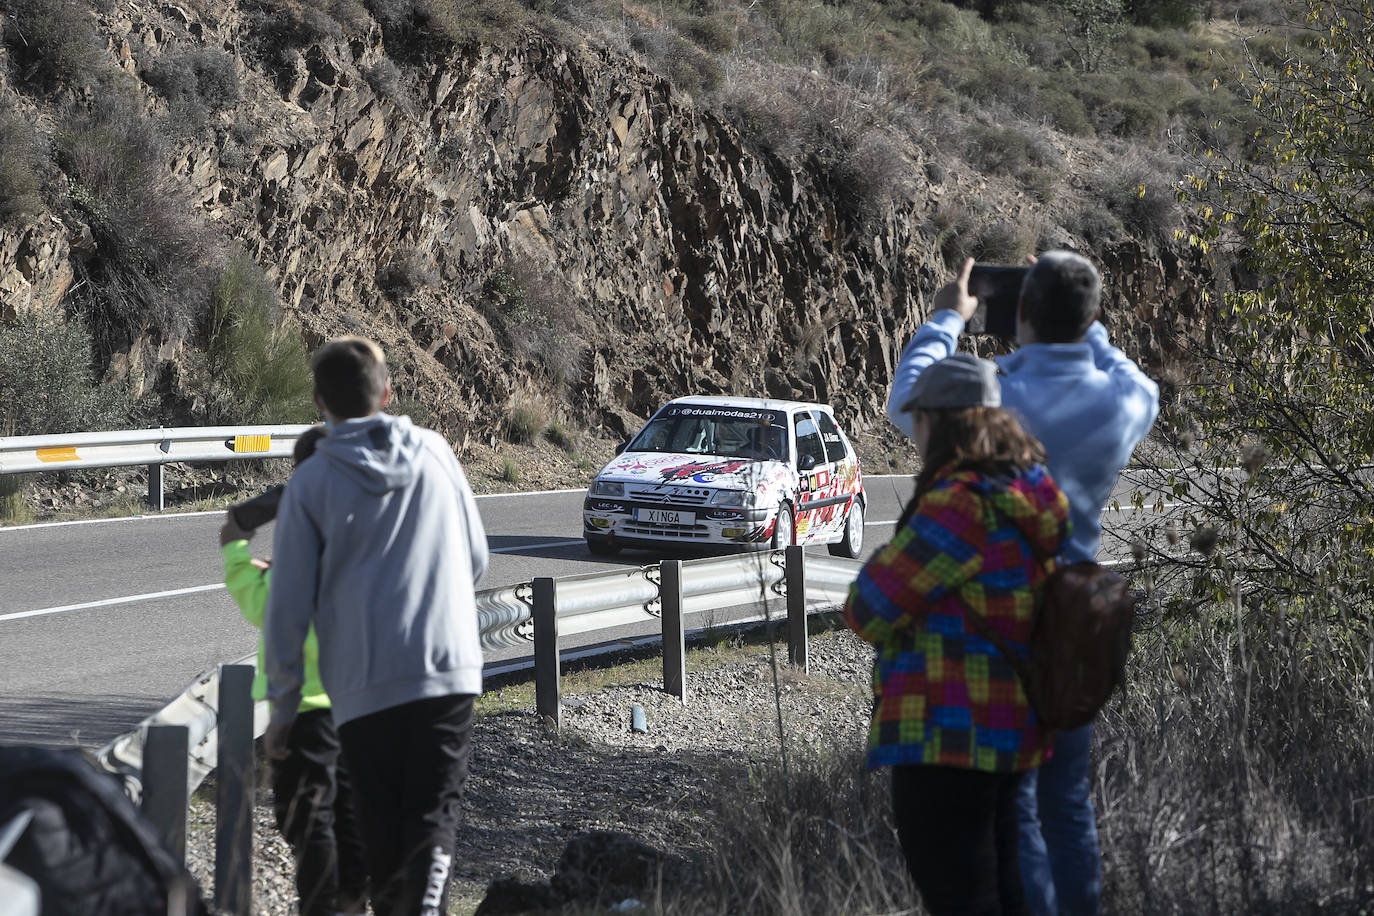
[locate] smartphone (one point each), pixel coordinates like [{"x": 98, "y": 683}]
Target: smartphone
[
  {"x": 998, "y": 290},
  {"x": 258, "y": 511}
]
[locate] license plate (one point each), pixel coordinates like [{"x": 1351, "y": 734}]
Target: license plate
[{"x": 665, "y": 516}]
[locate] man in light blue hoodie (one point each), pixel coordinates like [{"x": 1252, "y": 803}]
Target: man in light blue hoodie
[
  {"x": 1090, "y": 406},
  {"x": 379, "y": 544}
]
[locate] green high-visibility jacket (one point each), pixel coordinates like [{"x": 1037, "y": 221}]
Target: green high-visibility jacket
[{"x": 248, "y": 586}]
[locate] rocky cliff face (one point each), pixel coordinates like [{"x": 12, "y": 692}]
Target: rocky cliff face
[{"x": 545, "y": 224}]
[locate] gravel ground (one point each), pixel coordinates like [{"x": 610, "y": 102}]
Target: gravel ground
[{"x": 532, "y": 789}]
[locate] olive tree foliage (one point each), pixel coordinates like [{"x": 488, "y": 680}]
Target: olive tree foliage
[
  {"x": 255, "y": 368},
  {"x": 46, "y": 380},
  {"x": 1285, "y": 392}
]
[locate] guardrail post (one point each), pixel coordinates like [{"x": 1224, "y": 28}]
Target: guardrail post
[
  {"x": 674, "y": 632},
  {"x": 156, "y": 501},
  {"x": 164, "y": 785},
  {"x": 234, "y": 780},
  {"x": 795, "y": 577},
  {"x": 547, "y": 702}
]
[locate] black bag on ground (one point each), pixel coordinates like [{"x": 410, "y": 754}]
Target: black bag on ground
[{"x": 87, "y": 847}]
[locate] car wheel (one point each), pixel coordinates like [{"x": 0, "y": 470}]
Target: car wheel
[
  {"x": 602, "y": 548},
  {"x": 852, "y": 544},
  {"x": 784, "y": 531}
]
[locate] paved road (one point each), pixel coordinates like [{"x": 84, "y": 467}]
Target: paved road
[{"x": 102, "y": 622}]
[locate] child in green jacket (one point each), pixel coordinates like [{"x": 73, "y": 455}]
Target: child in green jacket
[{"x": 312, "y": 798}]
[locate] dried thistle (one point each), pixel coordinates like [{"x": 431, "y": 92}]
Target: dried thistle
[
  {"x": 1171, "y": 532},
  {"x": 1253, "y": 458},
  {"x": 1204, "y": 540},
  {"x": 1138, "y": 549}
]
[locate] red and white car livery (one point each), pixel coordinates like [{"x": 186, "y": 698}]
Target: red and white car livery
[{"x": 741, "y": 471}]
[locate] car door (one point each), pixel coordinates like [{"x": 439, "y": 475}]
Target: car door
[
  {"x": 844, "y": 482},
  {"x": 814, "y": 473}
]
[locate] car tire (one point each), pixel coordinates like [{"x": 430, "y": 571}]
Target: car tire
[
  {"x": 851, "y": 545},
  {"x": 600, "y": 547},
  {"x": 784, "y": 529}
]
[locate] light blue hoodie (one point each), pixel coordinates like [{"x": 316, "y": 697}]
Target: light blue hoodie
[
  {"x": 381, "y": 545},
  {"x": 1087, "y": 403}
]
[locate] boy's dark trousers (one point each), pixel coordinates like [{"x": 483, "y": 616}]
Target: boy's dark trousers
[
  {"x": 958, "y": 830},
  {"x": 409, "y": 764},
  {"x": 313, "y": 802}
]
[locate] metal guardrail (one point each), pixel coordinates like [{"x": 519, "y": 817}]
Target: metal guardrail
[
  {"x": 584, "y": 604},
  {"x": 151, "y": 447}
]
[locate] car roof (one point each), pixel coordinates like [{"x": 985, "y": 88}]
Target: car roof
[{"x": 756, "y": 403}]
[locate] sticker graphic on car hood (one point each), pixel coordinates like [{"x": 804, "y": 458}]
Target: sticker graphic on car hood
[{"x": 654, "y": 467}]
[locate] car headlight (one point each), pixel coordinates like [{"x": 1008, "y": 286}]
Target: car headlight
[
  {"x": 607, "y": 488},
  {"x": 734, "y": 498}
]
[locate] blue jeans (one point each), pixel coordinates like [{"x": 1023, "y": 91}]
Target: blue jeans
[{"x": 1060, "y": 870}]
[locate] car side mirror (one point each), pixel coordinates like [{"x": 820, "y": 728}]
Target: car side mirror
[
  {"x": 807, "y": 462},
  {"x": 621, "y": 447}
]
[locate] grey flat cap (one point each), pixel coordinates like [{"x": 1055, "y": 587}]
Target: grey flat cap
[{"x": 960, "y": 380}]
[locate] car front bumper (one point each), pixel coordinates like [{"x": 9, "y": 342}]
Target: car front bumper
[{"x": 617, "y": 521}]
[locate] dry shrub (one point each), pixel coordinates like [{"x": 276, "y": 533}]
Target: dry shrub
[
  {"x": 795, "y": 112},
  {"x": 525, "y": 419},
  {"x": 404, "y": 277},
  {"x": 417, "y": 29},
  {"x": 813, "y": 837},
  {"x": 532, "y": 308},
  {"x": 20, "y": 178},
  {"x": 1139, "y": 191},
  {"x": 1007, "y": 151},
  {"x": 1235, "y": 778},
  {"x": 196, "y": 82},
  {"x": 154, "y": 256},
  {"x": 53, "y": 42}
]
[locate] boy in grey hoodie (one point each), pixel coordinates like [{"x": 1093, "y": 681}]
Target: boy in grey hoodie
[{"x": 380, "y": 545}]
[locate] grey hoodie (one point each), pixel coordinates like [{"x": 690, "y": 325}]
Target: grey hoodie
[{"x": 380, "y": 544}]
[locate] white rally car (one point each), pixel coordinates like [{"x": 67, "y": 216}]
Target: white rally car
[{"x": 735, "y": 471}]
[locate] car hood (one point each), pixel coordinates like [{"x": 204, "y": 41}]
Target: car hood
[{"x": 709, "y": 471}]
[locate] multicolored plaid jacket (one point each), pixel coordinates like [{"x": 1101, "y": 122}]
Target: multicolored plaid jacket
[{"x": 944, "y": 695}]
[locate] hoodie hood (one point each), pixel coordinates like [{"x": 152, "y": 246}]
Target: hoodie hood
[
  {"x": 378, "y": 452},
  {"x": 1031, "y": 502}
]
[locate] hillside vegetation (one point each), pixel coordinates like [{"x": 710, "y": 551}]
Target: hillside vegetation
[{"x": 173, "y": 185}]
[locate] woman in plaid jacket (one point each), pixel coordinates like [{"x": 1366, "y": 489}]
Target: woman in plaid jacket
[{"x": 950, "y": 715}]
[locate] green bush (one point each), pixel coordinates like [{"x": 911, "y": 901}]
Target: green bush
[
  {"x": 256, "y": 366},
  {"x": 46, "y": 383},
  {"x": 1064, "y": 111},
  {"x": 509, "y": 471},
  {"x": 53, "y": 42},
  {"x": 20, "y": 181},
  {"x": 154, "y": 256}
]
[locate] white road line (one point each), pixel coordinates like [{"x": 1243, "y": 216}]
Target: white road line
[
  {"x": 106, "y": 602},
  {"x": 891, "y": 521},
  {"x": 532, "y": 493},
  {"x": 566, "y": 542},
  {"x": 106, "y": 521}
]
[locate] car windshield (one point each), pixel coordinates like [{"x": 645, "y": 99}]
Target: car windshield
[{"x": 732, "y": 432}]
